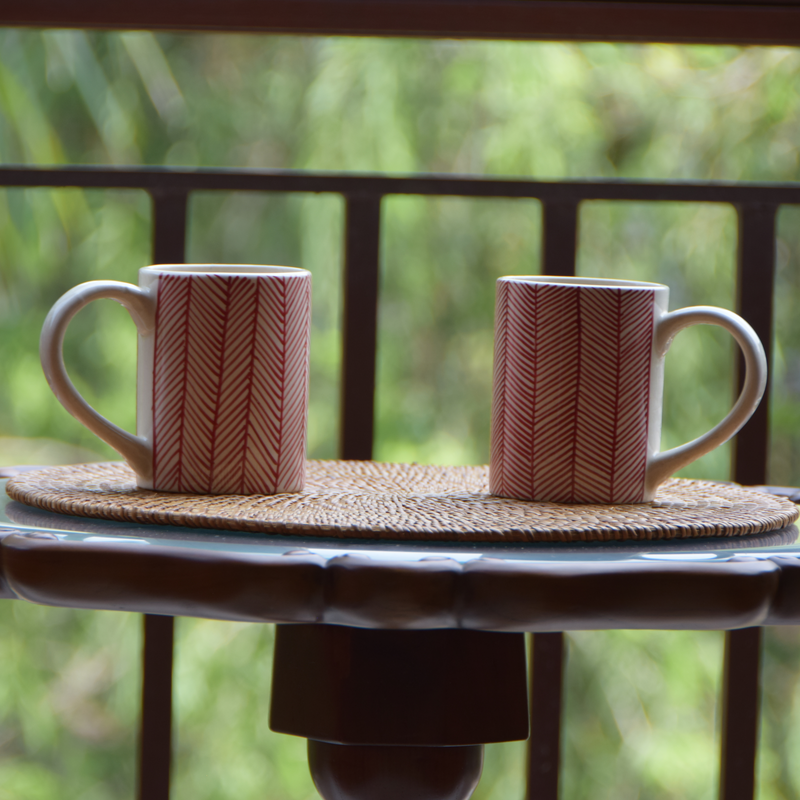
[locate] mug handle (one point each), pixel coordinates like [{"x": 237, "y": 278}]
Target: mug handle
[
  {"x": 662, "y": 465},
  {"x": 136, "y": 450}
]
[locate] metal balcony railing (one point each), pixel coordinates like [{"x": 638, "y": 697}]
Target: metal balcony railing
[{"x": 756, "y": 205}]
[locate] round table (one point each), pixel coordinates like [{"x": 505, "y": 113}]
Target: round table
[{"x": 399, "y": 660}]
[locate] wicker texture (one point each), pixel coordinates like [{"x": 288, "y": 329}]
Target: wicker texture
[{"x": 372, "y": 500}]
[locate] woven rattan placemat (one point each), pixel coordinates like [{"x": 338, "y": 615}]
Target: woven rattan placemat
[{"x": 373, "y": 500}]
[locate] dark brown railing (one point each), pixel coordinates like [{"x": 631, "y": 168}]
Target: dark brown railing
[
  {"x": 757, "y": 206},
  {"x": 765, "y": 22}
]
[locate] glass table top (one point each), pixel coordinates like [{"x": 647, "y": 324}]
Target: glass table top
[{"x": 16, "y": 517}]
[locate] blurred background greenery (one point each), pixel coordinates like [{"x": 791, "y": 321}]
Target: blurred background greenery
[{"x": 641, "y": 710}]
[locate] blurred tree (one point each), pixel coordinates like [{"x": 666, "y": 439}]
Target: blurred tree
[{"x": 640, "y": 719}]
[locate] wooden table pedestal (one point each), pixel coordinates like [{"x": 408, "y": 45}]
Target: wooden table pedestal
[{"x": 398, "y": 714}]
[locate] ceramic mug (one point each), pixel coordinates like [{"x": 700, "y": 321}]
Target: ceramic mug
[
  {"x": 222, "y": 385},
  {"x": 578, "y": 384}
]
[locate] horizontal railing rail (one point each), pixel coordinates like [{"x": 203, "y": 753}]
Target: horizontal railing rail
[
  {"x": 174, "y": 179},
  {"x": 757, "y": 206},
  {"x": 764, "y": 22}
]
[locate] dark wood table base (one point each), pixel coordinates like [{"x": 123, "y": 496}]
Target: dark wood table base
[
  {"x": 397, "y": 713},
  {"x": 374, "y": 772}
]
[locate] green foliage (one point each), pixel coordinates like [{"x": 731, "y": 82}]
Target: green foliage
[
  {"x": 225, "y": 747},
  {"x": 52, "y": 240},
  {"x": 640, "y": 706},
  {"x": 68, "y": 696},
  {"x": 642, "y": 714}
]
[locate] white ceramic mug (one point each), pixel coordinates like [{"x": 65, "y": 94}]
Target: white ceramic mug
[
  {"x": 578, "y": 384},
  {"x": 222, "y": 388}
]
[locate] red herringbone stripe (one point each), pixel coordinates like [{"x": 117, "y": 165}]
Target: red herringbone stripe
[
  {"x": 497, "y": 465},
  {"x": 611, "y": 442},
  {"x": 230, "y": 384},
  {"x": 280, "y": 380},
  {"x": 571, "y": 392}
]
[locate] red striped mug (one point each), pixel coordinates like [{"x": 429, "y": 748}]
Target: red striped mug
[
  {"x": 222, "y": 389},
  {"x": 578, "y": 383}
]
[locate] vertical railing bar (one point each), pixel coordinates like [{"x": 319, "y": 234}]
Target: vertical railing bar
[
  {"x": 559, "y": 237},
  {"x": 169, "y": 226},
  {"x": 155, "y": 724},
  {"x": 559, "y": 253},
  {"x": 740, "y": 714},
  {"x": 755, "y": 289},
  {"x": 155, "y": 731},
  {"x": 360, "y": 325},
  {"x": 544, "y": 743},
  {"x": 755, "y": 292}
]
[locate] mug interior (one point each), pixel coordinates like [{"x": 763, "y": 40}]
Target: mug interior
[
  {"x": 610, "y": 283},
  {"x": 221, "y": 269}
]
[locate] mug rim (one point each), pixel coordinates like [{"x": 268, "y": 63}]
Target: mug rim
[
  {"x": 241, "y": 270},
  {"x": 600, "y": 283}
]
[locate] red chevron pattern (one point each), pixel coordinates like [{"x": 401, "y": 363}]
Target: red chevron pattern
[
  {"x": 571, "y": 392},
  {"x": 230, "y": 383}
]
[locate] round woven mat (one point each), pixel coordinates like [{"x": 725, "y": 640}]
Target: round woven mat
[{"x": 372, "y": 500}]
